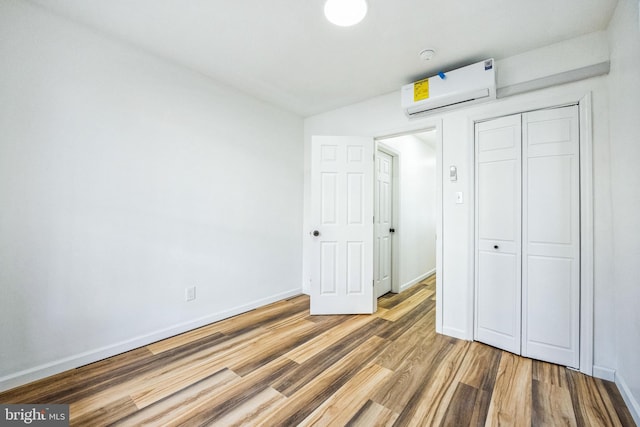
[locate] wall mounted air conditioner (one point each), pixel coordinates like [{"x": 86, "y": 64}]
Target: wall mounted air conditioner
[{"x": 467, "y": 85}]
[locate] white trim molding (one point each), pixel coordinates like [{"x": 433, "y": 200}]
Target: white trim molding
[
  {"x": 417, "y": 280},
  {"x": 58, "y": 366},
  {"x": 632, "y": 403},
  {"x": 604, "y": 373},
  {"x": 586, "y": 234},
  {"x": 454, "y": 332}
]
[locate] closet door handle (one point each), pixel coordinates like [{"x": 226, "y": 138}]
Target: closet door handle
[{"x": 496, "y": 247}]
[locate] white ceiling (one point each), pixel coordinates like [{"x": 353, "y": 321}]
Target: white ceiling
[{"x": 286, "y": 53}]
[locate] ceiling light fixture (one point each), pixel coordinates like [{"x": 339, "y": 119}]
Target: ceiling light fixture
[{"x": 345, "y": 13}]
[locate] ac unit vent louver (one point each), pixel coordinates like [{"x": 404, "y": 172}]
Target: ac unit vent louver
[{"x": 464, "y": 86}]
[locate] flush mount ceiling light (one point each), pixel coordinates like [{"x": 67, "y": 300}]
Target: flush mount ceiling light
[{"x": 345, "y": 12}]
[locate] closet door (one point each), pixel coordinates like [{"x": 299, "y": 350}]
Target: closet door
[
  {"x": 498, "y": 233},
  {"x": 551, "y": 236}
]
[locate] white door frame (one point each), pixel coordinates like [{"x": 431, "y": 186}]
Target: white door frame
[
  {"x": 585, "y": 109},
  {"x": 434, "y": 124}
]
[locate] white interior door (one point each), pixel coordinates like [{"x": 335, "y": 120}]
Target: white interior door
[
  {"x": 383, "y": 222},
  {"x": 551, "y": 236},
  {"x": 498, "y": 233},
  {"x": 342, "y": 217}
]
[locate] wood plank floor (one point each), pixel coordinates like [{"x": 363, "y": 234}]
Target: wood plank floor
[{"x": 278, "y": 366}]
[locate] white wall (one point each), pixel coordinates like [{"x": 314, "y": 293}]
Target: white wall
[
  {"x": 415, "y": 221},
  {"x": 123, "y": 180},
  {"x": 624, "y": 89},
  {"x": 383, "y": 116}
]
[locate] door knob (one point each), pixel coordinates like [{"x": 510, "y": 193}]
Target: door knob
[
  {"x": 392, "y": 230},
  {"x": 496, "y": 247},
  {"x": 315, "y": 233}
]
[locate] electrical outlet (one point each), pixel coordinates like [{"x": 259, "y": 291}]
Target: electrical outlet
[{"x": 190, "y": 293}]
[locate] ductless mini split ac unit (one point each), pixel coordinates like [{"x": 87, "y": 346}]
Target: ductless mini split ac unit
[{"x": 464, "y": 86}]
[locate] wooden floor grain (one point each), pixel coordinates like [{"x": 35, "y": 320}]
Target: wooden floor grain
[{"x": 279, "y": 366}]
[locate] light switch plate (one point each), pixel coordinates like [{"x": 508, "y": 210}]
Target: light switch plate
[
  {"x": 190, "y": 293},
  {"x": 453, "y": 173}
]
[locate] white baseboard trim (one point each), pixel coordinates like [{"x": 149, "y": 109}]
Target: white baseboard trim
[
  {"x": 629, "y": 399},
  {"x": 604, "y": 373},
  {"x": 42, "y": 371},
  {"x": 456, "y": 333},
  {"x": 417, "y": 280}
]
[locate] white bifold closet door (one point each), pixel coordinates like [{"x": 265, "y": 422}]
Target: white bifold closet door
[
  {"x": 498, "y": 235},
  {"x": 551, "y": 236},
  {"x": 528, "y": 234}
]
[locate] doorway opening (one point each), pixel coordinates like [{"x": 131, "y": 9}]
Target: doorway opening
[
  {"x": 342, "y": 223},
  {"x": 405, "y": 210}
]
